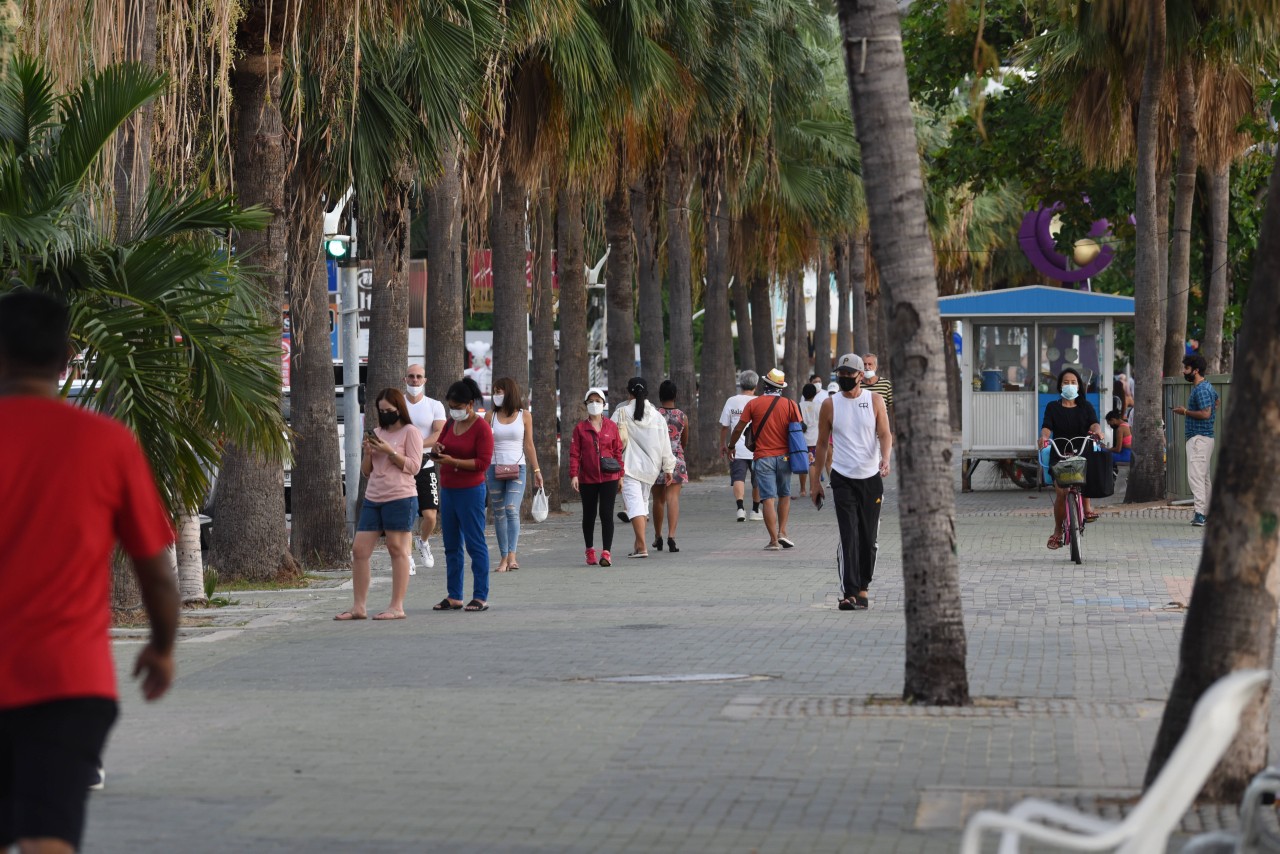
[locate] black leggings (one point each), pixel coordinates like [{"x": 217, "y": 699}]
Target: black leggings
[{"x": 598, "y": 495}]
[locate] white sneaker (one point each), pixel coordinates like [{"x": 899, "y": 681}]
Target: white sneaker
[
  {"x": 424, "y": 549},
  {"x": 742, "y": 515},
  {"x": 413, "y": 568},
  {"x": 756, "y": 516}
]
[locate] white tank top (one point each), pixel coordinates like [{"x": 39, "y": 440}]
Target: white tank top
[
  {"x": 508, "y": 440},
  {"x": 855, "y": 451}
]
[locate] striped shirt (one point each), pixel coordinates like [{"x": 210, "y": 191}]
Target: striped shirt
[
  {"x": 1202, "y": 397},
  {"x": 884, "y": 387}
]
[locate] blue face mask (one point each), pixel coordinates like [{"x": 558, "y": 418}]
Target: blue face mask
[{"x": 1069, "y": 392}]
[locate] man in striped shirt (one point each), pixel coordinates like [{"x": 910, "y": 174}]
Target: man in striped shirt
[{"x": 873, "y": 381}]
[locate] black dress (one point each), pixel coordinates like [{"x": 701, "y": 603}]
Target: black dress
[{"x": 1068, "y": 422}]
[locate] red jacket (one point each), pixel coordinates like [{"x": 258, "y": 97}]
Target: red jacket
[{"x": 584, "y": 461}]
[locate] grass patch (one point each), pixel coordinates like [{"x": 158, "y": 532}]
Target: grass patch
[{"x": 233, "y": 586}]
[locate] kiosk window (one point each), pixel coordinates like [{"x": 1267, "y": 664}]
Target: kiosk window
[
  {"x": 1074, "y": 345},
  {"x": 1000, "y": 358}
]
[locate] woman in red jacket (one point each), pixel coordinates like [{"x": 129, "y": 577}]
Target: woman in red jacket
[
  {"x": 462, "y": 455},
  {"x": 595, "y": 467}
]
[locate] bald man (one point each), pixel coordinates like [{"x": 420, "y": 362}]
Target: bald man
[{"x": 428, "y": 416}]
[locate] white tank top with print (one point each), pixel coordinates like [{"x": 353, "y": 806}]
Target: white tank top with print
[{"x": 855, "y": 451}]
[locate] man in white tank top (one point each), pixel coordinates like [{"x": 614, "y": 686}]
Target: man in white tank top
[
  {"x": 428, "y": 416},
  {"x": 857, "y": 423}
]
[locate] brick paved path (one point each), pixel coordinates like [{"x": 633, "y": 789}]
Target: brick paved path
[{"x": 501, "y": 731}]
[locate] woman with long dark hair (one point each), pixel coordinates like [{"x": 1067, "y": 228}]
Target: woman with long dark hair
[
  {"x": 1070, "y": 417},
  {"x": 646, "y": 454},
  {"x": 513, "y": 458},
  {"x": 462, "y": 455},
  {"x": 666, "y": 488},
  {"x": 391, "y": 460}
]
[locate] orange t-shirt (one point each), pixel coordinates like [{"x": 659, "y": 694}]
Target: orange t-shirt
[
  {"x": 72, "y": 484},
  {"x": 771, "y": 441}
]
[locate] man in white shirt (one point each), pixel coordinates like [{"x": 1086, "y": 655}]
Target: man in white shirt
[
  {"x": 428, "y": 416},
  {"x": 738, "y": 456},
  {"x": 857, "y": 424}
]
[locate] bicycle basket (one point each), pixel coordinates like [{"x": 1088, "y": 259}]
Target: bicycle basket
[{"x": 1069, "y": 472}]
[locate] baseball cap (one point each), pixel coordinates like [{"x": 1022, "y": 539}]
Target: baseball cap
[
  {"x": 596, "y": 390},
  {"x": 776, "y": 378},
  {"x": 833, "y": 387},
  {"x": 851, "y": 362}
]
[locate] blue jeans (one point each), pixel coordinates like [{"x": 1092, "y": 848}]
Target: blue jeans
[
  {"x": 505, "y": 497},
  {"x": 773, "y": 477},
  {"x": 462, "y": 525}
]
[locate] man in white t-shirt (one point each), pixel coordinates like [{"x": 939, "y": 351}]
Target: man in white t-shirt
[
  {"x": 428, "y": 416},
  {"x": 738, "y": 456},
  {"x": 853, "y": 428}
]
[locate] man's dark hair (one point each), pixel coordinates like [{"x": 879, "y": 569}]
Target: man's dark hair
[
  {"x": 1196, "y": 363},
  {"x": 33, "y": 332},
  {"x": 809, "y": 392},
  {"x": 1114, "y": 414}
]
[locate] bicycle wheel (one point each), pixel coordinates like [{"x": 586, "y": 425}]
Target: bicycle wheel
[{"x": 1076, "y": 524}]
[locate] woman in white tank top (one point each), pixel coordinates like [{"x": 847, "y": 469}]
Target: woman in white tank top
[{"x": 513, "y": 458}]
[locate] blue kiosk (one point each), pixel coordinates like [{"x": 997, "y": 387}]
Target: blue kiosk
[{"x": 1015, "y": 343}]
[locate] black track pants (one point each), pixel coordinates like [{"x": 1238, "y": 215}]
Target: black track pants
[
  {"x": 601, "y": 496},
  {"x": 858, "y": 514}
]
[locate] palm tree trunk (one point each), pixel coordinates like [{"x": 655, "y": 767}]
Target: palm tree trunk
[
  {"x": 250, "y": 538},
  {"x": 389, "y": 307},
  {"x": 862, "y": 309},
  {"x": 844, "y": 296},
  {"x": 645, "y": 195},
  {"x": 573, "y": 320},
  {"x": 510, "y": 283},
  {"x": 791, "y": 334},
  {"x": 133, "y": 142},
  {"x": 1216, "y": 309},
  {"x": 1184, "y": 202},
  {"x": 543, "y": 369},
  {"x": 954, "y": 400},
  {"x": 679, "y": 186},
  {"x": 935, "y": 637},
  {"x": 619, "y": 297},
  {"x": 10, "y": 22},
  {"x": 762, "y": 323},
  {"x": 822, "y": 316},
  {"x": 1231, "y": 621},
  {"x": 445, "y": 344},
  {"x": 717, "y": 379},
  {"x": 189, "y": 561},
  {"x": 319, "y": 513},
  {"x": 1146, "y": 474},
  {"x": 742, "y": 315}
]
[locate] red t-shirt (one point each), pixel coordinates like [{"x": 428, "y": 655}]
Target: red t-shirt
[
  {"x": 772, "y": 440},
  {"x": 475, "y": 444},
  {"x": 72, "y": 484}
]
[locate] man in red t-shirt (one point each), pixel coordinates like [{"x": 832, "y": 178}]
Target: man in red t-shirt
[
  {"x": 61, "y": 464},
  {"x": 770, "y": 415}
]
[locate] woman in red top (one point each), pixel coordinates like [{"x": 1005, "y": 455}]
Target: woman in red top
[
  {"x": 595, "y": 438},
  {"x": 462, "y": 457},
  {"x": 391, "y": 460}
]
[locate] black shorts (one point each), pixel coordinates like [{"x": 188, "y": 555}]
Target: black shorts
[
  {"x": 50, "y": 754},
  {"x": 428, "y": 489},
  {"x": 740, "y": 470}
]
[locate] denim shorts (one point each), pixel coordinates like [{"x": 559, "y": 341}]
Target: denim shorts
[
  {"x": 773, "y": 477},
  {"x": 398, "y": 515}
]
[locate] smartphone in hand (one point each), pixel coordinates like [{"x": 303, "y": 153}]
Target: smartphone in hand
[{"x": 817, "y": 502}]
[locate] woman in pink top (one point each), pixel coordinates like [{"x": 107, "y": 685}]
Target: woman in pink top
[{"x": 392, "y": 457}]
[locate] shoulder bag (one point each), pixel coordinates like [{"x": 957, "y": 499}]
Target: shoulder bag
[
  {"x": 608, "y": 465},
  {"x": 749, "y": 435},
  {"x": 506, "y": 471},
  {"x": 797, "y": 445}
]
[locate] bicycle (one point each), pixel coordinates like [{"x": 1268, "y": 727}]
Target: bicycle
[{"x": 1068, "y": 473}]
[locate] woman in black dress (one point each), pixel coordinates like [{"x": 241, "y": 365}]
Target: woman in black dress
[{"x": 1071, "y": 417}]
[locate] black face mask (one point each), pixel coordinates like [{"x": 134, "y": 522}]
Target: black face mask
[
  {"x": 388, "y": 419},
  {"x": 847, "y": 383},
  {"x": 1190, "y": 376}
]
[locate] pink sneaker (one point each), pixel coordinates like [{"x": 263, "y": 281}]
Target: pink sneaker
[
  {"x": 591, "y": 557},
  {"x": 604, "y": 558}
]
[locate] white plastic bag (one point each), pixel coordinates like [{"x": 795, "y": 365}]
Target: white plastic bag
[{"x": 539, "y": 509}]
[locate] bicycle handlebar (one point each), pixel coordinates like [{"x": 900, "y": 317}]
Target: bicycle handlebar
[{"x": 1067, "y": 447}]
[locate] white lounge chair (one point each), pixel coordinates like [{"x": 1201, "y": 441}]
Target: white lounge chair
[{"x": 1214, "y": 723}]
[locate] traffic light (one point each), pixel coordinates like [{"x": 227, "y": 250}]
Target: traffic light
[{"x": 337, "y": 248}]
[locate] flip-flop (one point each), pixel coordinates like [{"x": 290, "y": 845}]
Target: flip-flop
[
  {"x": 1091, "y": 517},
  {"x": 513, "y": 567},
  {"x": 476, "y": 605},
  {"x": 347, "y": 616},
  {"x": 446, "y": 605},
  {"x": 773, "y": 547},
  {"x": 861, "y": 602},
  {"x": 638, "y": 554},
  {"x": 846, "y": 605},
  {"x": 785, "y": 543},
  {"x": 387, "y": 615}
]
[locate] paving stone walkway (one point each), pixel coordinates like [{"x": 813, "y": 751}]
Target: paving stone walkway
[{"x": 522, "y": 729}]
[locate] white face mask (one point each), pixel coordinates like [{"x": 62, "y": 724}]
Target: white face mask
[
  {"x": 458, "y": 414},
  {"x": 595, "y": 408},
  {"x": 413, "y": 390},
  {"x": 499, "y": 398},
  {"x": 869, "y": 373},
  {"x": 1069, "y": 392}
]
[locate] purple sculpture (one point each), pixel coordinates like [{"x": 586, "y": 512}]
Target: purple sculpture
[{"x": 1037, "y": 244}]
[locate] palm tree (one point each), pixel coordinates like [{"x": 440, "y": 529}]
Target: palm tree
[
  {"x": 573, "y": 319},
  {"x": 822, "y": 361},
  {"x": 646, "y": 204},
  {"x": 543, "y": 370},
  {"x": 446, "y": 289},
  {"x": 876, "y": 67},
  {"x": 166, "y": 322}
]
